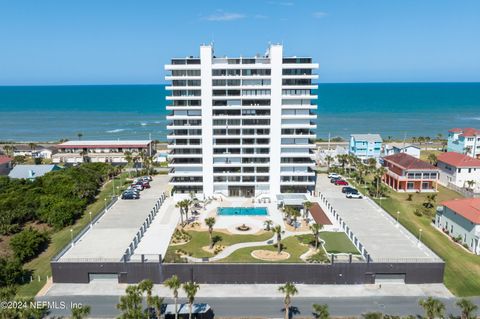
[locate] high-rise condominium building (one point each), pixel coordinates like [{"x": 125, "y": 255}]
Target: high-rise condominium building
[{"x": 241, "y": 126}]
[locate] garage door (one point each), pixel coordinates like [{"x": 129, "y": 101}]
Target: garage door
[
  {"x": 94, "y": 276},
  {"x": 390, "y": 278}
]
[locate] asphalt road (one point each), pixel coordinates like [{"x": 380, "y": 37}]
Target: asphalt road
[{"x": 105, "y": 306}]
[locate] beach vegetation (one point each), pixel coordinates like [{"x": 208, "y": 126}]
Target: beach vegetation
[{"x": 28, "y": 243}]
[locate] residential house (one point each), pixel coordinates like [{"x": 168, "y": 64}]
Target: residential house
[
  {"x": 34, "y": 151},
  {"x": 464, "y": 141},
  {"x": 410, "y": 174},
  {"x": 459, "y": 170},
  {"x": 395, "y": 148},
  {"x": 5, "y": 164},
  {"x": 365, "y": 146},
  {"x": 32, "y": 171},
  {"x": 74, "y": 152},
  {"x": 460, "y": 219}
]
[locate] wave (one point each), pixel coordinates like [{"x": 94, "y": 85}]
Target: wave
[
  {"x": 118, "y": 130},
  {"x": 143, "y": 124}
]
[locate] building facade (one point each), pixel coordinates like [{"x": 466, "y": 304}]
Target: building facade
[
  {"x": 464, "y": 141},
  {"x": 409, "y": 174},
  {"x": 74, "y": 152},
  {"x": 241, "y": 126},
  {"x": 365, "y": 146},
  {"x": 5, "y": 164},
  {"x": 460, "y": 170},
  {"x": 460, "y": 219}
]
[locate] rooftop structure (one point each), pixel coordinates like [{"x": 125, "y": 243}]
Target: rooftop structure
[
  {"x": 32, "y": 171},
  {"x": 395, "y": 148},
  {"x": 241, "y": 126},
  {"x": 5, "y": 164}
]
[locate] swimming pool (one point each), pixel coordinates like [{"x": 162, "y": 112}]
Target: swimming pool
[{"x": 242, "y": 211}]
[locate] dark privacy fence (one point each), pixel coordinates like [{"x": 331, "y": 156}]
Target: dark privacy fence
[{"x": 213, "y": 273}]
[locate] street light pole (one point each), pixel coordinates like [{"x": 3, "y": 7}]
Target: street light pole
[
  {"x": 420, "y": 236},
  {"x": 71, "y": 235},
  {"x": 105, "y": 200},
  {"x": 398, "y": 215},
  {"x": 90, "y": 213}
]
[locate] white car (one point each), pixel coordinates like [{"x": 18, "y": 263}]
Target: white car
[
  {"x": 333, "y": 175},
  {"x": 354, "y": 195}
]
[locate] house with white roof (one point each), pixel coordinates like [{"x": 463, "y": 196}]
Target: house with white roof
[
  {"x": 395, "y": 148},
  {"x": 459, "y": 170},
  {"x": 32, "y": 171},
  {"x": 74, "y": 152}
]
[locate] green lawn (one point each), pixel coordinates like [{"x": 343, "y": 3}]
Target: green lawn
[
  {"x": 338, "y": 242},
  {"x": 462, "y": 269},
  {"x": 40, "y": 266},
  {"x": 201, "y": 239},
  {"x": 425, "y": 153},
  {"x": 291, "y": 245}
]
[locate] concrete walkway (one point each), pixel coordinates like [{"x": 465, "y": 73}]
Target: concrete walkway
[{"x": 112, "y": 288}]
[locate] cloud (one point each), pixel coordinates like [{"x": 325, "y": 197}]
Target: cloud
[
  {"x": 224, "y": 16},
  {"x": 260, "y": 16},
  {"x": 319, "y": 14}
]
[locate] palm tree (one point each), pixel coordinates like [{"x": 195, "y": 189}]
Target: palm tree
[
  {"x": 468, "y": 308},
  {"x": 179, "y": 205},
  {"x": 32, "y": 146},
  {"x": 432, "y": 158},
  {"x": 190, "y": 288},
  {"x": 292, "y": 212},
  {"x": 277, "y": 230},
  {"x": 130, "y": 305},
  {"x": 9, "y": 149},
  {"x": 210, "y": 221},
  {"x": 470, "y": 184},
  {"x": 371, "y": 163},
  {"x": 329, "y": 159},
  {"x": 467, "y": 149},
  {"x": 320, "y": 311},
  {"x": 315, "y": 228},
  {"x": 306, "y": 208},
  {"x": 378, "y": 174},
  {"x": 268, "y": 224},
  {"x": 433, "y": 307},
  {"x": 289, "y": 290},
  {"x": 439, "y": 136},
  {"x": 80, "y": 312},
  {"x": 342, "y": 159},
  {"x": 156, "y": 303},
  {"x": 414, "y": 139},
  {"x": 173, "y": 283},
  {"x": 146, "y": 286},
  {"x": 79, "y": 135}
]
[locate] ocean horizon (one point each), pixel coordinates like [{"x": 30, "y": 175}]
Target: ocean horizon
[{"x": 124, "y": 111}]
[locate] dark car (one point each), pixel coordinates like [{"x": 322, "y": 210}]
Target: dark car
[
  {"x": 349, "y": 190},
  {"x": 334, "y": 179},
  {"x": 340, "y": 182},
  {"x": 127, "y": 195},
  {"x": 145, "y": 184}
]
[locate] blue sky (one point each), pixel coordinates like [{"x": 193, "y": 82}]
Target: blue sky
[{"x": 119, "y": 41}]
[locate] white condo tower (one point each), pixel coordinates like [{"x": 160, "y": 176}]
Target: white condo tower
[{"x": 241, "y": 126}]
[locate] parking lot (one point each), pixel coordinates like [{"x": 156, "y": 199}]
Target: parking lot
[
  {"x": 110, "y": 236},
  {"x": 382, "y": 237}
]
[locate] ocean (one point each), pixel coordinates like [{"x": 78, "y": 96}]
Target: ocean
[{"x": 50, "y": 113}]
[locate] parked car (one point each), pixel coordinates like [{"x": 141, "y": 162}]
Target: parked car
[
  {"x": 333, "y": 175},
  {"x": 127, "y": 195},
  {"x": 354, "y": 195},
  {"x": 340, "y": 182},
  {"x": 334, "y": 179},
  {"x": 138, "y": 186},
  {"x": 349, "y": 189},
  {"x": 147, "y": 178},
  {"x": 145, "y": 184}
]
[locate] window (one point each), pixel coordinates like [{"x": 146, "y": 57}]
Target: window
[
  {"x": 451, "y": 229},
  {"x": 410, "y": 185}
]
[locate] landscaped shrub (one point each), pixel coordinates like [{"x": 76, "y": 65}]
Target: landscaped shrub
[
  {"x": 28, "y": 243},
  {"x": 318, "y": 257},
  {"x": 466, "y": 246},
  {"x": 11, "y": 271}
]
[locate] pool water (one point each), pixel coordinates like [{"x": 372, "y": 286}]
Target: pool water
[{"x": 242, "y": 211}]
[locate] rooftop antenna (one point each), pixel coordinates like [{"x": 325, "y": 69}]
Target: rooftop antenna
[{"x": 404, "y": 139}]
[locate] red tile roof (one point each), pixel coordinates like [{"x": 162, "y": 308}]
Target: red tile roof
[
  {"x": 5, "y": 159},
  {"x": 469, "y": 208},
  {"x": 458, "y": 160},
  {"x": 455, "y": 130},
  {"x": 470, "y": 132},
  {"x": 319, "y": 215},
  {"x": 407, "y": 161}
]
